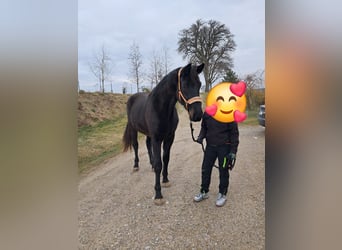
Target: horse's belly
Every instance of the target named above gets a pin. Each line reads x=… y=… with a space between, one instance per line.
x=141 y=128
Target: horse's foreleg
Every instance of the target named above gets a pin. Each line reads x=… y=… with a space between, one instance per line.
x=157 y=165
x=149 y=149
x=166 y=157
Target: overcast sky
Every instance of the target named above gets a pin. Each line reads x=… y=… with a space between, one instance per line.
x=154 y=24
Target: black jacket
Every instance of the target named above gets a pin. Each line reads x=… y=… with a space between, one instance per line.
x=219 y=133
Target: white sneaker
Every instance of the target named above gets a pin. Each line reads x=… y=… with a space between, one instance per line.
x=221 y=200
x=201 y=197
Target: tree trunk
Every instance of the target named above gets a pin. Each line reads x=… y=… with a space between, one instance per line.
x=206 y=79
x=206 y=86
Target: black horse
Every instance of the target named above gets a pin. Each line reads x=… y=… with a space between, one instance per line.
x=155 y=115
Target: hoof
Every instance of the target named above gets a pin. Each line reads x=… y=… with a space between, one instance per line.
x=166 y=184
x=159 y=202
x=135 y=169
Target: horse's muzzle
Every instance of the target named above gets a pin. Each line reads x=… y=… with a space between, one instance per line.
x=195 y=112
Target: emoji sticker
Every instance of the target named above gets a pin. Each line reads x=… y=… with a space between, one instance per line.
x=226 y=102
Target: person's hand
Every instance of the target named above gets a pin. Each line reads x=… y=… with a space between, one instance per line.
x=231 y=156
x=199 y=140
x=231 y=160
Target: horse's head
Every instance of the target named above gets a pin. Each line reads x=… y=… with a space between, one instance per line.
x=189 y=86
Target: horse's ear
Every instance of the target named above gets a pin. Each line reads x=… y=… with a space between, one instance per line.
x=187 y=69
x=200 y=68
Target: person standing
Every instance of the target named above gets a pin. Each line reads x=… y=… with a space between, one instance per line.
x=222 y=140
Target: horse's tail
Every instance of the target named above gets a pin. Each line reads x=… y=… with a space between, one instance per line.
x=127 y=137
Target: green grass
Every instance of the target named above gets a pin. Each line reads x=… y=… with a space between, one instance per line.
x=100 y=142
x=252 y=117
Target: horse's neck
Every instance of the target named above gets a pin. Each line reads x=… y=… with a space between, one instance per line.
x=166 y=92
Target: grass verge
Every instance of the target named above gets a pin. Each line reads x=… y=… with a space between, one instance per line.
x=252 y=117
x=100 y=142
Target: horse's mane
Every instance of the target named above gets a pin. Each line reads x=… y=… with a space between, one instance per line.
x=166 y=80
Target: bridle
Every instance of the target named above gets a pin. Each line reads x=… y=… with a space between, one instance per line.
x=180 y=94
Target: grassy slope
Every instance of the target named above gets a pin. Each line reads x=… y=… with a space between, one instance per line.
x=100 y=142
x=101 y=120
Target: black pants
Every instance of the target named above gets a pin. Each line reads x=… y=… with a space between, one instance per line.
x=210 y=155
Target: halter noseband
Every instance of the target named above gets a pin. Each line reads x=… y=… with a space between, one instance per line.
x=180 y=94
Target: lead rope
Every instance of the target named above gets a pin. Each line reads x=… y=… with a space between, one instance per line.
x=193 y=138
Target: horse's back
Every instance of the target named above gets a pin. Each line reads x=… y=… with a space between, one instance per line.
x=136 y=100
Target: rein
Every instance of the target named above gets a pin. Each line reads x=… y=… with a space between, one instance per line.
x=180 y=94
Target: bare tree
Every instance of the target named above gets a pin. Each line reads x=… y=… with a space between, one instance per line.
x=156 y=69
x=135 y=60
x=101 y=66
x=210 y=43
x=159 y=66
x=253 y=81
x=166 y=60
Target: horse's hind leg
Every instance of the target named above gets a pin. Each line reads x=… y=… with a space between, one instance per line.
x=149 y=149
x=135 y=147
x=166 y=157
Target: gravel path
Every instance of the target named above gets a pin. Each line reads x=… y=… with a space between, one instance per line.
x=116 y=209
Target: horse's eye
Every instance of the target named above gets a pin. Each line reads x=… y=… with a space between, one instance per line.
x=220 y=98
x=232 y=98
